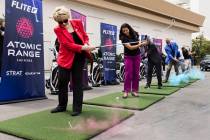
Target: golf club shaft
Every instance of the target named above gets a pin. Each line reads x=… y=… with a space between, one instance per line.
x=101 y=46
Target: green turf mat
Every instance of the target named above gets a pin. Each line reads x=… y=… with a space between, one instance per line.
x=61 y=126
x=116 y=100
x=154 y=90
x=193 y=80
x=181 y=85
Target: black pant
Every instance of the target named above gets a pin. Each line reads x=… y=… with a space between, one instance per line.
x=77 y=77
x=151 y=66
x=164 y=65
x=176 y=65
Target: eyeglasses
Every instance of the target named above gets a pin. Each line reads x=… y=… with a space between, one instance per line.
x=64 y=21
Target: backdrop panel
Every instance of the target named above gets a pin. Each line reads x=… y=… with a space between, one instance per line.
x=108 y=37
x=23 y=59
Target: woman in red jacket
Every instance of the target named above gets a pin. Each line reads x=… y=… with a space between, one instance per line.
x=74 y=48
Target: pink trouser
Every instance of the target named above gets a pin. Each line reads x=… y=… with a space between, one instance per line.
x=132 y=68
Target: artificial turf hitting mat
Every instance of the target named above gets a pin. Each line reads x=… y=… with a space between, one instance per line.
x=154 y=90
x=181 y=85
x=62 y=126
x=193 y=80
x=116 y=100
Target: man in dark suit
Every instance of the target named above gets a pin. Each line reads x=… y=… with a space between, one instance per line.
x=154 y=60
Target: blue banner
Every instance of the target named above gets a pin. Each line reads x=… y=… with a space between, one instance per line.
x=23 y=58
x=108 y=38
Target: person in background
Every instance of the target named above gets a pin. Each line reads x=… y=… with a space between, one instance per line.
x=180 y=59
x=187 y=58
x=2 y=30
x=192 y=57
x=163 y=57
x=131 y=59
x=154 y=60
x=73 y=50
x=171 y=50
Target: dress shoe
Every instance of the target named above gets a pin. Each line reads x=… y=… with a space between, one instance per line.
x=134 y=94
x=74 y=113
x=125 y=95
x=58 y=109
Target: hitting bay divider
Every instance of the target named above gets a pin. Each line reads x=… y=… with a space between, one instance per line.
x=62 y=126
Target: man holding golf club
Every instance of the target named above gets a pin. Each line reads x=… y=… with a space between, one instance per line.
x=154 y=60
x=171 y=49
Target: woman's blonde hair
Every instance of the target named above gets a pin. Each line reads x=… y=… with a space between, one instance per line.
x=61 y=13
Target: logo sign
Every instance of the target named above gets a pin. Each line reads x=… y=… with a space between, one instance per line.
x=108 y=38
x=22 y=73
x=158 y=43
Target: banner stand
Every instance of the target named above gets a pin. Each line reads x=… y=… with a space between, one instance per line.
x=108 y=37
x=22 y=70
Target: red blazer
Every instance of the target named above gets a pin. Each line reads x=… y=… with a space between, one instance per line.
x=68 y=48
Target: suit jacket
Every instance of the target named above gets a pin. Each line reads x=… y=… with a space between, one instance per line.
x=153 y=54
x=171 y=51
x=68 y=48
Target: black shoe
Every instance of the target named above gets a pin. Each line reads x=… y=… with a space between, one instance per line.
x=58 y=109
x=147 y=86
x=125 y=95
x=134 y=94
x=159 y=87
x=75 y=113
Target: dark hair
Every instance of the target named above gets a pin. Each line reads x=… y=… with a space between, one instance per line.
x=147 y=38
x=183 y=48
x=132 y=32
